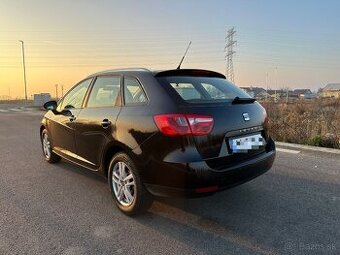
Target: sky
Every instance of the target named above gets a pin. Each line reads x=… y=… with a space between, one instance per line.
x=296 y=44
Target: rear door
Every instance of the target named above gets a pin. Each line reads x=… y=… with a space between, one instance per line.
x=61 y=126
x=96 y=123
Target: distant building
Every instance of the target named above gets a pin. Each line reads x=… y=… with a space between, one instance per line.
x=331 y=90
x=255 y=92
x=304 y=93
x=292 y=94
x=309 y=96
x=262 y=95
x=277 y=92
x=40 y=99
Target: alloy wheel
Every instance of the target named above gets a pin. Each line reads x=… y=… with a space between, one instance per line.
x=46 y=146
x=123 y=184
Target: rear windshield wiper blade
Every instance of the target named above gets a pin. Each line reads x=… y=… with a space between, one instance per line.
x=238 y=100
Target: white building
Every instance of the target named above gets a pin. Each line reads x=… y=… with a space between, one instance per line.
x=40 y=99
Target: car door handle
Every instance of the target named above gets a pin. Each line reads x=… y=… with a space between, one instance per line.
x=72 y=118
x=105 y=123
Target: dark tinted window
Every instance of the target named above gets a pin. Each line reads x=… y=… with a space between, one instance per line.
x=74 y=98
x=203 y=89
x=104 y=92
x=133 y=92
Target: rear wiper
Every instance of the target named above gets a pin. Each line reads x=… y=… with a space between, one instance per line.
x=238 y=100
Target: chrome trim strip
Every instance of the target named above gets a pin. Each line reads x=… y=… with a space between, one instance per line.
x=75 y=156
x=76 y=163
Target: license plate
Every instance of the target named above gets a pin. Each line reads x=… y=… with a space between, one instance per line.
x=246 y=143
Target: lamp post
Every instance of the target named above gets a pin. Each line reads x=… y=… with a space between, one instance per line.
x=24 y=66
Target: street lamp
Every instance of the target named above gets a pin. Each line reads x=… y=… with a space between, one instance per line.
x=24 y=66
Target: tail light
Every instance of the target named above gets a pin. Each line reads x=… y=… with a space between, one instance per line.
x=184 y=124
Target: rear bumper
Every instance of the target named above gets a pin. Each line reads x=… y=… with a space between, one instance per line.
x=198 y=179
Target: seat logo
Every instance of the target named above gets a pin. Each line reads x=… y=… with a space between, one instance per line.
x=246 y=116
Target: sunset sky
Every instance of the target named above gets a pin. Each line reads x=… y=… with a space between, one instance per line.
x=68 y=40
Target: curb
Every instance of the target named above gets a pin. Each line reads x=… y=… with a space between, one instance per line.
x=308 y=147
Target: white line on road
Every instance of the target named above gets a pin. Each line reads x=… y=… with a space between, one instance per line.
x=16 y=110
x=1 y=110
x=287 y=150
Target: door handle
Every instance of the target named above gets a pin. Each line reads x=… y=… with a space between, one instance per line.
x=72 y=118
x=106 y=123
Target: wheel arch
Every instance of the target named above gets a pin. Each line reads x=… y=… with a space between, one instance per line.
x=42 y=127
x=110 y=151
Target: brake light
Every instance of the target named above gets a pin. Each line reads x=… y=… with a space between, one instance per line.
x=184 y=124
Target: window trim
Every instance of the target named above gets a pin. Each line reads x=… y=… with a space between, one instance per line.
x=118 y=102
x=142 y=87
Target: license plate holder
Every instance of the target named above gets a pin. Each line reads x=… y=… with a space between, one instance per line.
x=245 y=143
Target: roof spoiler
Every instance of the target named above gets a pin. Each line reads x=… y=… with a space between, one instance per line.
x=190 y=72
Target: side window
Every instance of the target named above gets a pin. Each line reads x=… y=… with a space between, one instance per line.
x=104 y=92
x=74 y=98
x=133 y=92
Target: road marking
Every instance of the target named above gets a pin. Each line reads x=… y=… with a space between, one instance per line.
x=30 y=111
x=16 y=110
x=287 y=150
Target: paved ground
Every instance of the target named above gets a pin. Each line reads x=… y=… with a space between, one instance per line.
x=18 y=107
x=63 y=209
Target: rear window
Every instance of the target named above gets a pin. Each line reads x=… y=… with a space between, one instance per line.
x=203 y=89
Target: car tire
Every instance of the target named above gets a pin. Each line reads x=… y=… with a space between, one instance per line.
x=127 y=189
x=49 y=155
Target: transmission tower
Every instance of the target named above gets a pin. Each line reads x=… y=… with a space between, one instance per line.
x=229 y=52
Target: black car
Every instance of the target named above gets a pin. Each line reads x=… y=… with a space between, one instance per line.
x=178 y=132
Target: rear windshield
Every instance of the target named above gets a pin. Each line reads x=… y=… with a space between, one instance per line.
x=203 y=89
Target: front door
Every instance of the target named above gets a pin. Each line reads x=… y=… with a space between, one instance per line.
x=62 y=124
x=96 y=123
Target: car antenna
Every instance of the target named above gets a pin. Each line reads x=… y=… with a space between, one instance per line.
x=180 y=63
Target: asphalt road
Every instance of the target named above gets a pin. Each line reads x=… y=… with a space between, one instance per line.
x=64 y=209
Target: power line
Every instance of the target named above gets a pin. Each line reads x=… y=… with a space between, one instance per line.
x=229 y=50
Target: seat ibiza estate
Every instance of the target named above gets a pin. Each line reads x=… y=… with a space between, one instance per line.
x=181 y=132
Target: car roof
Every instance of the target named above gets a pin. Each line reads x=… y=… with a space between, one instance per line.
x=161 y=73
x=120 y=71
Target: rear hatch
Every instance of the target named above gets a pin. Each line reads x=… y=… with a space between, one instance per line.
x=229 y=124
x=238 y=118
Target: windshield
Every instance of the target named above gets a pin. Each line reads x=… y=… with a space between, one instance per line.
x=203 y=89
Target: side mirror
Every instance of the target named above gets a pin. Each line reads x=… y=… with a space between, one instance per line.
x=50 y=105
x=66 y=112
